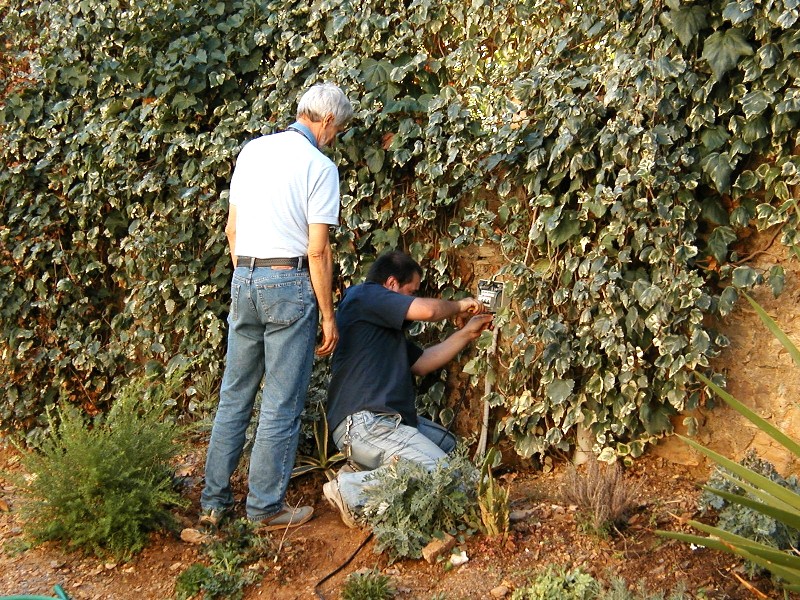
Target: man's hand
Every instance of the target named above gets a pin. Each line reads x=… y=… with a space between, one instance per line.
x=330 y=337
x=468 y=307
x=477 y=325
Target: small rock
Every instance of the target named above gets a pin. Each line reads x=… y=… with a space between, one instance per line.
x=515 y=516
x=193 y=536
x=175 y=566
x=109 y=566
x=458 y=559
x=437 y=548
x=500 y=591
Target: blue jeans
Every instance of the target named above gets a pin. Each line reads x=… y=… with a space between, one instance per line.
x=272 y=330
x=375 y=439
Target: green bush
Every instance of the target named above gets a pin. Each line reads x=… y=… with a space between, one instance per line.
x=743 y=520
x=559 y=584
x=101 y=485
x=369 y=585
x=229 y=558
x=760 y=497
x=407 y=505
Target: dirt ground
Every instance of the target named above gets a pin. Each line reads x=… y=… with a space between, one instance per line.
x=549 y=535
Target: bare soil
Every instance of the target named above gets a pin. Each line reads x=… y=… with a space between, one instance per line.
x=309 y=556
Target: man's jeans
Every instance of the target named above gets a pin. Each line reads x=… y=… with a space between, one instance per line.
x=375 y=439
x=272 y=331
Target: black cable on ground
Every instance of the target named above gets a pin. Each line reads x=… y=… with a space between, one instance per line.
x=341 y=566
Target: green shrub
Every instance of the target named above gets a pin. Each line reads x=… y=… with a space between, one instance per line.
x=493 y=498
x=100 y=485
x=368 y=585
x=227 y=573
x=559 y=584
x=743 y=520
x=618 y=590
x=759 y=493
x=408 y=505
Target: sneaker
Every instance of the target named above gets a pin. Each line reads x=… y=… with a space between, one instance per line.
x=287 y=517
x=213 y=517
x=331 y=492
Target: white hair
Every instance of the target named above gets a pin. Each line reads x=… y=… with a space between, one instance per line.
x=325 y=99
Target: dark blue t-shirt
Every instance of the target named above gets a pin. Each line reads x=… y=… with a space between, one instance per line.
x=371 y=366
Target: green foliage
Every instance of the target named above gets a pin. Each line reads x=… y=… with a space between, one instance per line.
x=744 y=521
x=102 y=486
x=609 y=157
x=319 y=457
x=618 y=590
x=559 y=584
x=407 y=505
x=492 y=498
x=368 y=585
x=764 y=500
x=229 y=558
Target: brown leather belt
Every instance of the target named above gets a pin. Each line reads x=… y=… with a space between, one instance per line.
x=300 y=262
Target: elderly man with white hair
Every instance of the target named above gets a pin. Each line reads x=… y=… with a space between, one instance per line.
x=284 y=196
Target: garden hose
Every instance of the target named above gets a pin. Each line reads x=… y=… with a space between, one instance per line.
x=59 y=591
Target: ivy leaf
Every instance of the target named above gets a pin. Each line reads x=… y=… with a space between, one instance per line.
x=727 y=299
x=718 y=167
x=568 y=227
x=723 y=50
x=686 y=22
x=738 y=12
x=374 y=158
x=777 y=279
x=744 y=277
x=559 y=390
x=718 y=242
x=756 y=102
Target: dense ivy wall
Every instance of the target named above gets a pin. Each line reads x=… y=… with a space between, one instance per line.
x=611 y=153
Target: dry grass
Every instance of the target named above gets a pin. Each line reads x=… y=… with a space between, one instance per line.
x=604 y=497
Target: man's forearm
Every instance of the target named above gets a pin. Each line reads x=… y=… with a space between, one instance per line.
x=437 y=356
x=435 y=309
x=320 y=267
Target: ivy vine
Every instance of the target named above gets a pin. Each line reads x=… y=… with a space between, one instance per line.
x=609 y=154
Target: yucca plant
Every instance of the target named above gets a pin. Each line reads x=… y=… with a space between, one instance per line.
x=322 y=461
x=493 y=498
x=764 y=495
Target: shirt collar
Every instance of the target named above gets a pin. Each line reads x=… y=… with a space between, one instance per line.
x=300 y=128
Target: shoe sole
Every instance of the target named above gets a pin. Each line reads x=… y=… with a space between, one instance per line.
x=342 y=510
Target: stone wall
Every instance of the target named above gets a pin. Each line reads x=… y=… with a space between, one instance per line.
x=760 y=373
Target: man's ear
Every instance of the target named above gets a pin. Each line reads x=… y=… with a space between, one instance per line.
x=391 y=283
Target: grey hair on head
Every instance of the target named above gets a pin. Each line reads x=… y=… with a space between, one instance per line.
x=325 y=99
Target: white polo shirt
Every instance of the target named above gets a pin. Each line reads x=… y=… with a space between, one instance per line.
x=281 y=184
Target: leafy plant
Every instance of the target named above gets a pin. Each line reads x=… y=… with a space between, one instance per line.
x=619 y=590
x=407 y=505
x=229 y=557
x=759 y=493
x=101 y=486
x=492 y=498
x=744 y=521
x=368 y=585
x=322 y=460
x=559 y=584
x=603 y=495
